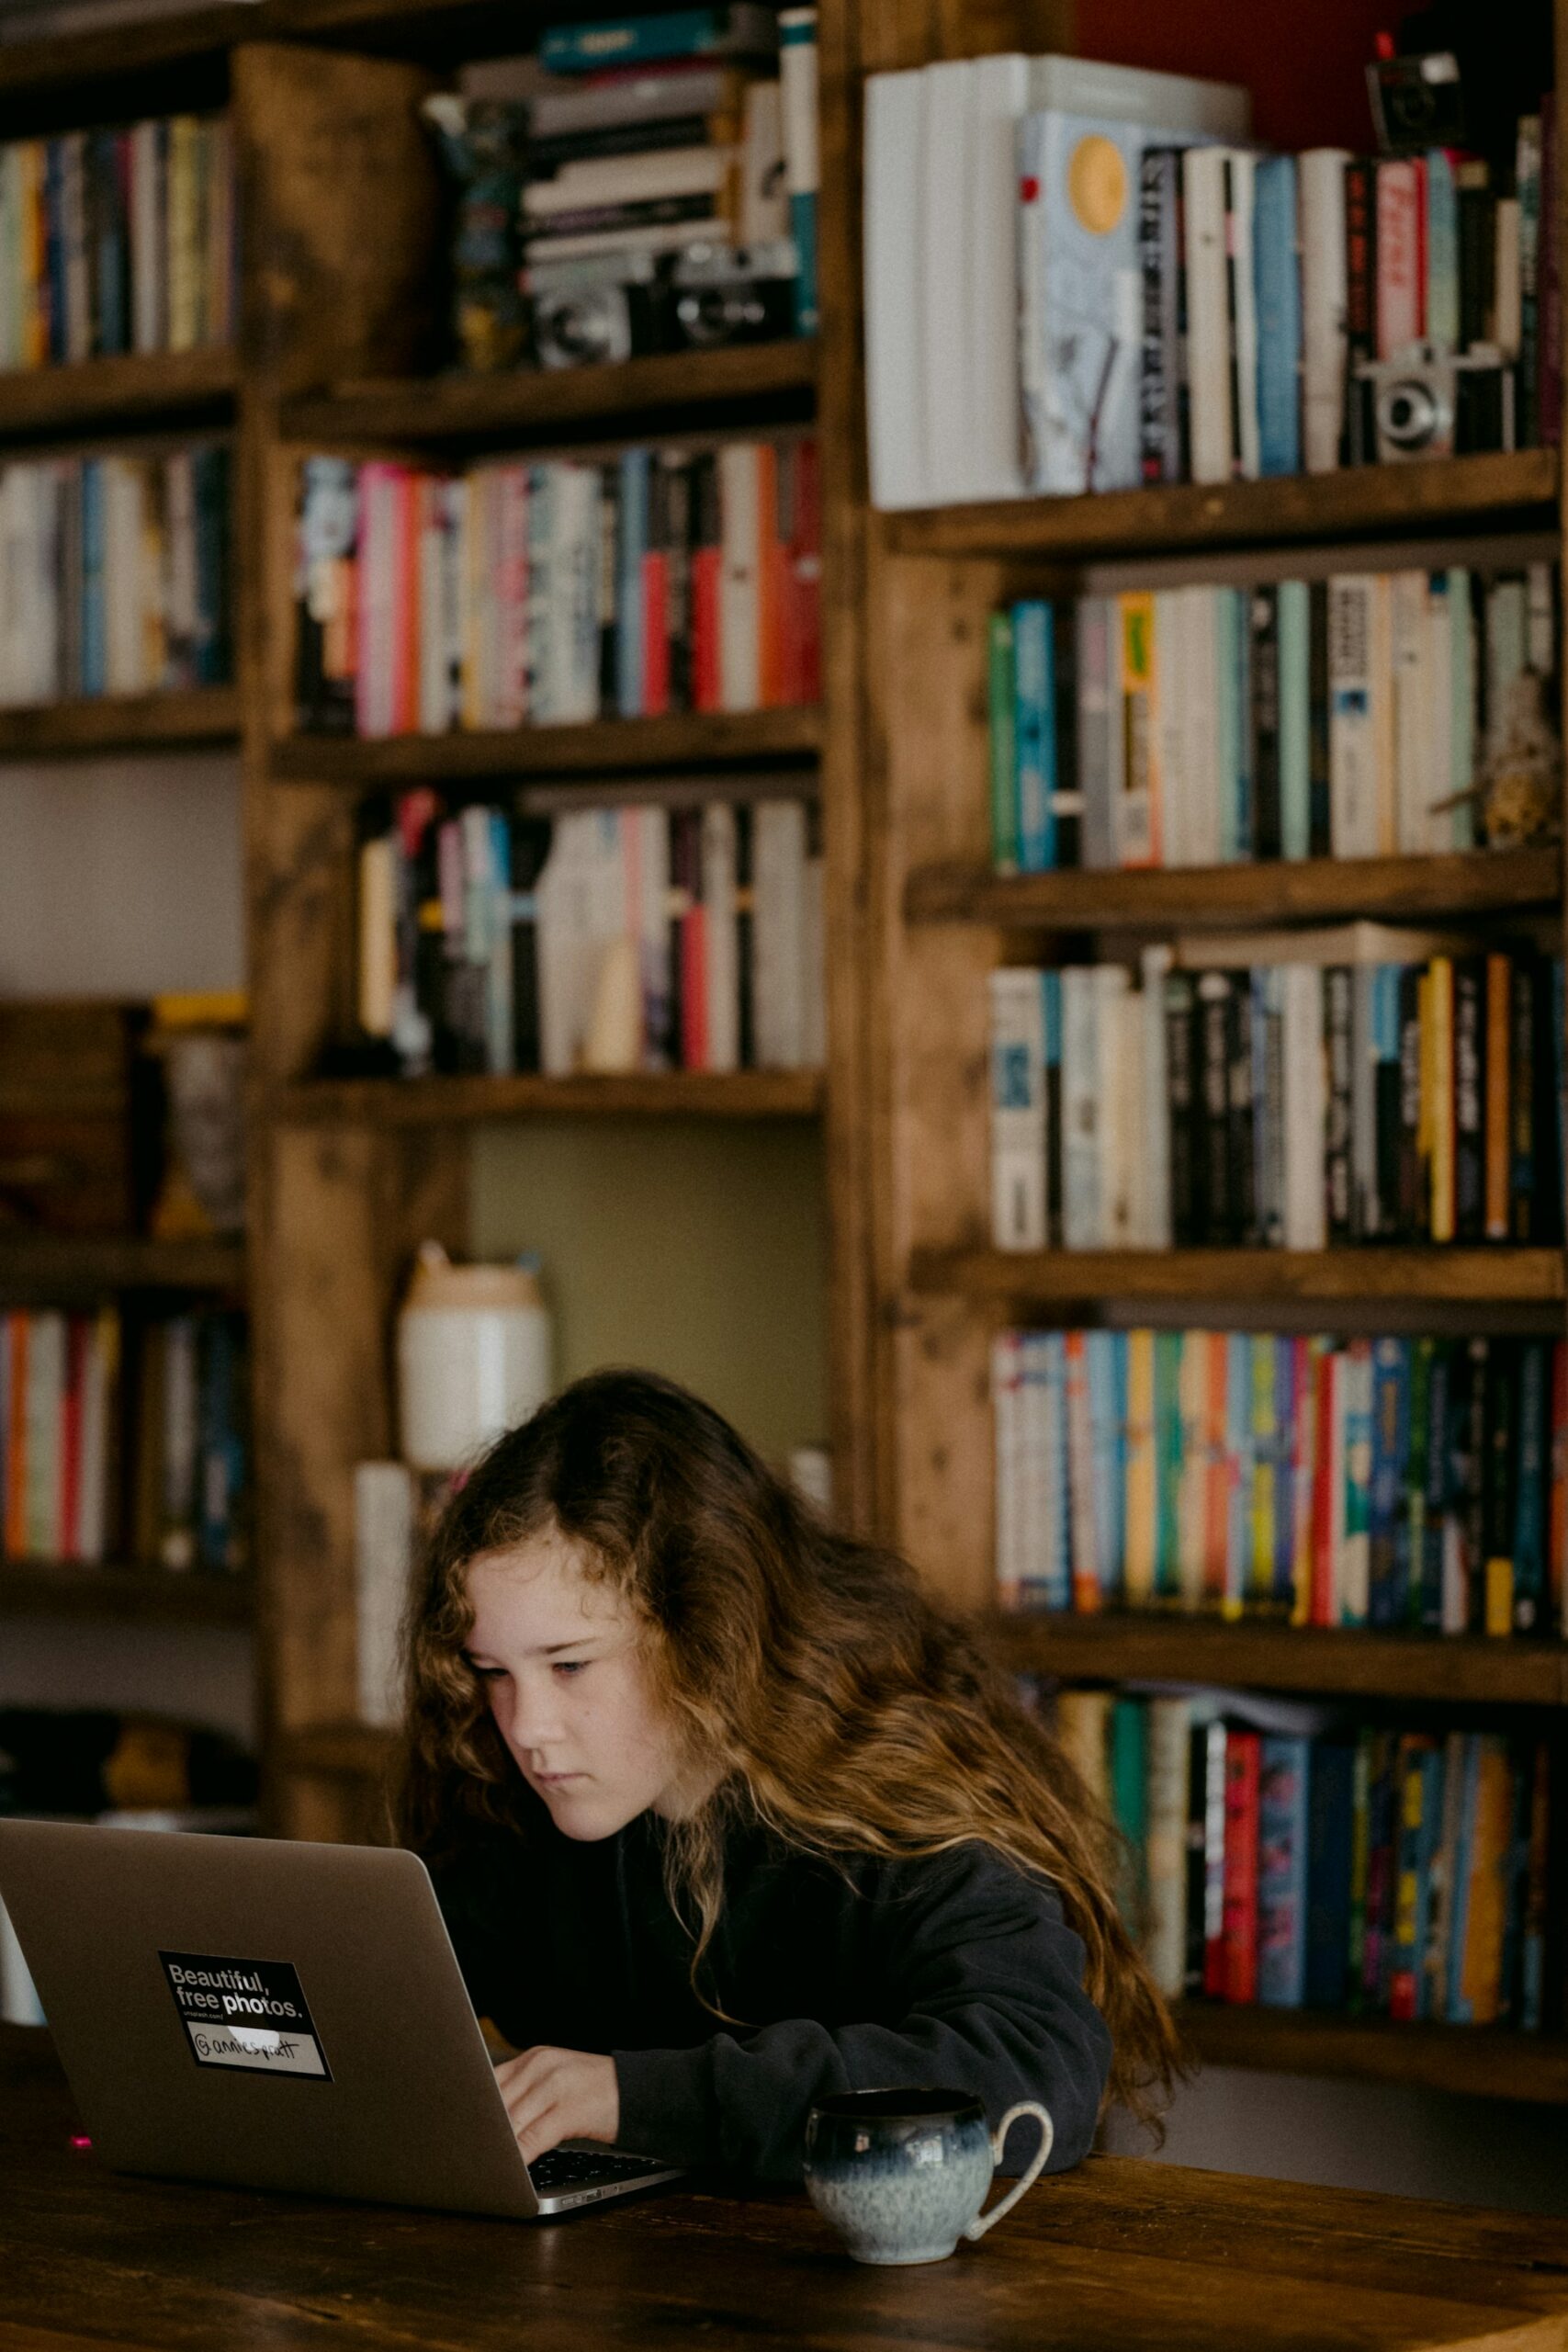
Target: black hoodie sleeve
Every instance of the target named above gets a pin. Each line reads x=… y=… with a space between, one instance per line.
x=984 y=1994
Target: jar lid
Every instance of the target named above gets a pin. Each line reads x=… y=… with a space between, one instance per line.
x=436 y=1282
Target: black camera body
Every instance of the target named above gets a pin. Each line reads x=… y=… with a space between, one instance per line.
x=1428 y=402
x=733 y=294
x=619 y=306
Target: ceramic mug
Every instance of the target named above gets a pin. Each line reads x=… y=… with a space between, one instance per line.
x=902 y=2174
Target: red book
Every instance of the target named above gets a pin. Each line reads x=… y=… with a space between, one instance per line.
x=1360 y=297
x=1557 y=1539
x=1244 y=1752
x=405 y=674
x=1399 y=273
x=1330 y=1372
x=806 y=561
x=68 y=1513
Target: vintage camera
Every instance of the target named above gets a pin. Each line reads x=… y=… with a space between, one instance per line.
x=733 y=293
x=1427 y=401
x=1417 y=102
x=614 y=307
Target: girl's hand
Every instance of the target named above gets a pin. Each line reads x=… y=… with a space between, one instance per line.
x=555 y=2094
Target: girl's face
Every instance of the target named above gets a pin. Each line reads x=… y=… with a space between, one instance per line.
x=558 y=1654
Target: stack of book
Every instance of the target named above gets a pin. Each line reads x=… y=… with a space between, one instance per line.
x=1079 y=276
x=557 y=590
x=1353 y=715
x=94 y=1467
x=114 y=574
x=642 y=937
x=1418 y=1483
x=119 y=240
x=1290 y=1857
x=1286 y=1089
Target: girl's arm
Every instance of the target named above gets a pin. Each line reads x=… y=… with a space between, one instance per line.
x=984 y=1994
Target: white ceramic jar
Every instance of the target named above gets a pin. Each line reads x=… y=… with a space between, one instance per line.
x=474 y=1352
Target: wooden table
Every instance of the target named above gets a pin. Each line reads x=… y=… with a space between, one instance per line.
x=1118 y=2255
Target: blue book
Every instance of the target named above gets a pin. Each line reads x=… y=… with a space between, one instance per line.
x=54 y=245
x=1282 y=1872
x=111 y=325
x=628 y=583
x=1168 y=1463
x=1442 y=250
x=1051 y=995
x=1529 y=1497
x=1105 y=1355
x=1277 y=283
x=1078 y=352
x=1331 y=1829
x=1391 y=1446
x=797 y=74
x=500 y=1041
x=614 y=41
x=95 y=648
x=221 y=1426
x=1034 y=732
x=1287 y=1405
x=1293 y=608
x=1230 y=651
x=1049 y=1583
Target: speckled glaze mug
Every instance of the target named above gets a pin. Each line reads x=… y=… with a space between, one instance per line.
x=902 y=2174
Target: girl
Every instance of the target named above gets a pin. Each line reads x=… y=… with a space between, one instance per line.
x=724 y=1815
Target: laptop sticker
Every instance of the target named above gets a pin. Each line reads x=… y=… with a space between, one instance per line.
x=246 y=2013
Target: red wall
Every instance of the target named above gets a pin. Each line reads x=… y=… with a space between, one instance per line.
x=1302 y=60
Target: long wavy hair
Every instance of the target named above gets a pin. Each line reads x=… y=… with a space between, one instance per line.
x=847 y=1710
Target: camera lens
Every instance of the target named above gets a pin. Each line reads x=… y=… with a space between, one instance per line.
x=1408 y=415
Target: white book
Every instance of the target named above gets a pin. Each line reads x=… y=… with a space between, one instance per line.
x=739 y=561
x=998 y=96
x=573 y=659
x=764 y=189
x=568 y=951
x=16 y=583
x=1200 y=756
x=1463 y=744
x=638 y=178
x=1007 y=1395
x=723 y=962
x=1384 y=741
x=1507 y=300
x=1164 y=1843
x=122 y=576
x=1357 y=942
x=1208 y=329
x=44 y=1398
x=149 y=270
x=895 y=380
x=1244 y=452
x=1320 y=182
x=383 y=1560
x=947 y=261
x=1083 y=1112
x=1174 y=685
x=655 y=237
x=45 y=658
x=1154 y=1130
x=377 y=572
x=649 y=827
x=1540 y=618
x=1019 y=1139
x=1122 y=1068
x=1416 y=765
x=814 y=958
x=1306 y=1211
x=1352 y=753
x=778 y=933
x=433 y=625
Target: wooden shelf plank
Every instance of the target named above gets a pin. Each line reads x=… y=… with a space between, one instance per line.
x=1158 y=1645
x=1318 y=889
x=682 y=740
x=527 y=404
x=1500 y=1274
x=123 y=1595
x=442 y=1101
x=1386 y=500
x=74 y=1264
x=341 y=1751
x=132 y=388
x=1483 y=2062
x=104 y=724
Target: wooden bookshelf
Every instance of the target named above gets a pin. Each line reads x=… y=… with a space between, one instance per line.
x=680 y=740
x=1165 y=1646
x=73 y=1264
x=1359 y=502
x=123 y=1595
x=130 y=389
x=441 y=1102
x=525 y=404
x=1393 y=890
x=1476 y=2061
x=1499 y=1274
x=100 y=725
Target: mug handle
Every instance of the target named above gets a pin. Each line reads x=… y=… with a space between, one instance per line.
x=983 y=2222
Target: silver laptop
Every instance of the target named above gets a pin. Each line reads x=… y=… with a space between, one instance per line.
x=278 y=2015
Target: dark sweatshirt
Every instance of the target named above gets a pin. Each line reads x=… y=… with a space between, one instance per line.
x=956 y=1971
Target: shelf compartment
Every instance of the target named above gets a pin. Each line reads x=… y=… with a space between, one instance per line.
x=1503 y=1274
x=680 y=740
x=1318 y=889
x=1478 y=2062
x=1169 y=1645
x=446 y=1101
x=1357 y=500
x=132 y=389
x=530 y=403
x=101 y=724
x=123 y=1595
x=76 y=1263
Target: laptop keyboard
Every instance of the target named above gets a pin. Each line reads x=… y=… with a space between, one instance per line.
x=569 y=2168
